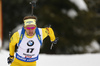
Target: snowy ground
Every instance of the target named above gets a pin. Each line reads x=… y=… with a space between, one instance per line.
x=60 y=60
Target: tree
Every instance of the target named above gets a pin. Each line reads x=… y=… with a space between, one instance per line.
x=72 y=33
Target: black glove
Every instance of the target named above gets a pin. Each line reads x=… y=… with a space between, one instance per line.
x=10 y=59
x=55 y=41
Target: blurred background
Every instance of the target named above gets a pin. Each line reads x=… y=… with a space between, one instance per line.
x=75 y=22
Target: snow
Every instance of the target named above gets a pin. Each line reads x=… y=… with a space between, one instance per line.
x=60 y=60
x=71 y=13
x=6 y=44
x=93 y=47
x=0 y=43
x=80 y=4
x=17 y=28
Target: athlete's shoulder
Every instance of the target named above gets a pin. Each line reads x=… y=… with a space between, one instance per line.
x=17 y=33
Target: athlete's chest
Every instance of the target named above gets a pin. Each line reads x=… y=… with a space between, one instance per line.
x=29 y=42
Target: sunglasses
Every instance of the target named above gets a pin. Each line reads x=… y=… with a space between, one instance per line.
x=28 y=28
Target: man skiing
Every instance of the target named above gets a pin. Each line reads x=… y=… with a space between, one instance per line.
x=28 y=39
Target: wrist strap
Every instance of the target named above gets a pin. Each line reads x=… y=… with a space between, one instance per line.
x=11 y=56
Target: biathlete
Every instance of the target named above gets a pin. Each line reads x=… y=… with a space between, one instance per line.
x=29 y=40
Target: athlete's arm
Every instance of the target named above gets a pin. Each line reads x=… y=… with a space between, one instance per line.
x=13 y=41
x=48 y=32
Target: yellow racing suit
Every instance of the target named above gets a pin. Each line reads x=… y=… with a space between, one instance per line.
x=15 y=40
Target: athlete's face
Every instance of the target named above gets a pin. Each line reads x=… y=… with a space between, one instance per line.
x=30 y=29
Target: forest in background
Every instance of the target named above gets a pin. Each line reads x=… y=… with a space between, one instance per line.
x=73 y=33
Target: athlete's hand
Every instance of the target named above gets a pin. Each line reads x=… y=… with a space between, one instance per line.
x=10 y=59
x=55 y=41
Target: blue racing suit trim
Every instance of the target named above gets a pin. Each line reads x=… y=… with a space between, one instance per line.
x=26 y=59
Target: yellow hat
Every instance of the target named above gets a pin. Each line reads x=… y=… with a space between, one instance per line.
x=30 y=22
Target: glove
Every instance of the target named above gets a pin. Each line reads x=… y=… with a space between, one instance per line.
x=10 y=59
x=55 y=41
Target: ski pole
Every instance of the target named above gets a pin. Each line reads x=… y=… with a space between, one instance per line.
x=51 y=46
